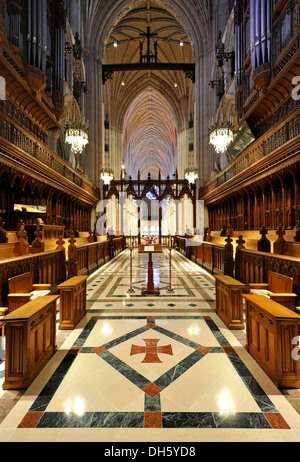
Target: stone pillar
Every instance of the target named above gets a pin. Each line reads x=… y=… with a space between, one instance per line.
x=94 y=113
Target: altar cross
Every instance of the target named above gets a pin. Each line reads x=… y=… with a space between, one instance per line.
x=148 y=58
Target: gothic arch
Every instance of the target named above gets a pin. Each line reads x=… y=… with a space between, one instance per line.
x=102 y=18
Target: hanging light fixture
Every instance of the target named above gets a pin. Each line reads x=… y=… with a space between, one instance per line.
x=77 y=134
x=191 y=173
x=106 y=174
x=221 y=135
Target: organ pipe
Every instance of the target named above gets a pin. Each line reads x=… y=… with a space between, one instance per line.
x=36 y=37
x=260 y=32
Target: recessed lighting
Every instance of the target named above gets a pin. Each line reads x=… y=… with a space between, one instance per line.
x=123 y=83
x=115 y=44
x=181 y=44
x=175 y=84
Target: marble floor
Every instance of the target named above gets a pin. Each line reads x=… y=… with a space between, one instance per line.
x=150 y=369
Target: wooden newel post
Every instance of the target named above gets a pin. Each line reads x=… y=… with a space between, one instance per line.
x=264 y=245
x=72 y=258
x=240 y=245
x=278 y=246
x=38 y=244
x=23 y=238
x=131 y=290
x=228 y=258
x=3 y=237
x=170 y=290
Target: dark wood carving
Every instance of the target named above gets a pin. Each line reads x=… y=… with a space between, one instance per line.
x=3 y=238
x=278 y=246
x=264 y=245
x=38 y=245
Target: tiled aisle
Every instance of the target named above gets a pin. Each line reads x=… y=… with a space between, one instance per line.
x=144 y=369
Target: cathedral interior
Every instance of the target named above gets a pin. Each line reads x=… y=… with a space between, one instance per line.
x=150 y=221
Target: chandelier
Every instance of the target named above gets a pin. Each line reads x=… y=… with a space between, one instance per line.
x=191 y=174
x=221 y=135
x=77 y=134
x=106 y=173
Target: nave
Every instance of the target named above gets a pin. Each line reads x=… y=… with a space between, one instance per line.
x=149 y=369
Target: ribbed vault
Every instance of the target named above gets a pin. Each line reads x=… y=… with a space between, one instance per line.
x=150 y=136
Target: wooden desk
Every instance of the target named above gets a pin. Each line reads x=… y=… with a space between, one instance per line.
x=30 y=341
x=72 y=302
x=271 y=329
x=229 y=302
x=150 y=249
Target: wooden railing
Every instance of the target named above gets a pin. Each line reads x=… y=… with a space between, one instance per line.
x=15 y=141
x=85 y=259
x=215 y=258
x=166 y=240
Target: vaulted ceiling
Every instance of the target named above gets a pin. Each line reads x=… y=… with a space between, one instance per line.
x=150 y=108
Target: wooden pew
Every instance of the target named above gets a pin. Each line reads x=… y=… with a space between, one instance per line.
x=278 y=288
x=30 y=341
x=11 y=248
x=253 y=267
x=271 y=330
x=22 y=290
x=46 y=268
x=278 y=239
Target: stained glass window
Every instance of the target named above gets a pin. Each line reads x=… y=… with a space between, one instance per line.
x=150 y=195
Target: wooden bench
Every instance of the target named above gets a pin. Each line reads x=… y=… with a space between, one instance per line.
x=30 y=341
x=72 y=302
x=229 y=306
x=271 y=330
x=22 y=290
x=279 y=288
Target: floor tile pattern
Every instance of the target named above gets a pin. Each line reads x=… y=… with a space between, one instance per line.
x=156 y=368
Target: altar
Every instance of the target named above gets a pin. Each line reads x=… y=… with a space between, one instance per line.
x=150 y=249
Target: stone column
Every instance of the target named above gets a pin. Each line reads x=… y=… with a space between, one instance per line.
x=94 y=113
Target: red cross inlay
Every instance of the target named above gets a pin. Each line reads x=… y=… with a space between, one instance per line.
x=151 y=351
